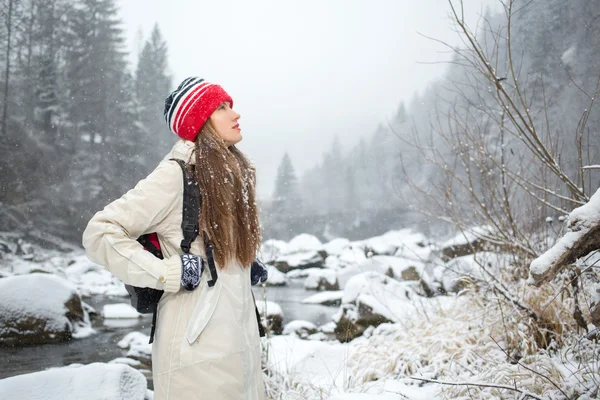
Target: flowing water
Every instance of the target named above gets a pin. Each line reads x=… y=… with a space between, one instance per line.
x=102 y=346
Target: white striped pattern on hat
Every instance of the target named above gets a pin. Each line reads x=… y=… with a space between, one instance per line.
x=183 y=98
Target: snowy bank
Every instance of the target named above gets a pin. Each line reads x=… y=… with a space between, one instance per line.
x=95 y=381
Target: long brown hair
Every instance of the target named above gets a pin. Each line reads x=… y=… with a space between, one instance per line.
x=229 y=215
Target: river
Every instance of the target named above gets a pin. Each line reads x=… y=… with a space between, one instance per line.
x=102 y=346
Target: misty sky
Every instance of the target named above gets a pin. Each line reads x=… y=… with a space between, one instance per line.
x=301 y=72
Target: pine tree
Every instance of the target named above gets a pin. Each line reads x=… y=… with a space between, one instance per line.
x=46 y=103
x=285 y=197
x=333 y=172
x=95 y=66
x=152 y=85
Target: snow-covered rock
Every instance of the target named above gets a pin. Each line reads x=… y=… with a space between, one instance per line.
x=321 y=279
x=299 y=260
x=303 y=251
x=466 y=242
x=336 y=246
x=139 y=348
x=352 y=255
x=271 y=249
x=97 y=381
x=271 y=315
x=400 y=268
x=120 y=311
x=372 y=298
x=133 y=339
x=276 y=278
x=390 y=242
x=300 y=328
x=93 y=279
x=328 y=298
x=41 y=308
x=457 y=273
x=377 y=264
x=298 y=273
x=304 y=242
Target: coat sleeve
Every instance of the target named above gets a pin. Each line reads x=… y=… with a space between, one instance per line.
x=110 y=238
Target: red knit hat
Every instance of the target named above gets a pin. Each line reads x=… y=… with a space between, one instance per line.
x=191 y=104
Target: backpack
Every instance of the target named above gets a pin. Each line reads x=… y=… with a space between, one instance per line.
x=145 y=300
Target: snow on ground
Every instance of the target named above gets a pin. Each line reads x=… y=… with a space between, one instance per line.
x=318 y=370
x=120 y=311
x=310 y=363
x=446 y=338
x=95 y=381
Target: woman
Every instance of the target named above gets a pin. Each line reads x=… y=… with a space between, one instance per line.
x=206 y=343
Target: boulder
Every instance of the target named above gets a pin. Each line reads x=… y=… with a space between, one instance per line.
x=40 y=308
x=353 y=319
x=276 y=278
x=328 y=298
x=271 y=249
x=410 y=274
x=469 y=241
x=139 y=348
x=346 y=328
x=392 y=242
x=299 y=260
x=322 y=279
x=336 y=246
x=300 y=328
x=304 y=242
x=271 y=316
x=370 y=299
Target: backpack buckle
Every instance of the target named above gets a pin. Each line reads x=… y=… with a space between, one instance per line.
x=190 y=228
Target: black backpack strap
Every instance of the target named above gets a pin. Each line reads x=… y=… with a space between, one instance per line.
x=154 y=316
x=261 y=328
x=211 y=260
x=192 y=203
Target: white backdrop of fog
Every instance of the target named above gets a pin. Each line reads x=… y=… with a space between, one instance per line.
x=301 y=72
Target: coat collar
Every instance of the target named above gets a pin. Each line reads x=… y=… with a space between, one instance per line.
x=183 y=150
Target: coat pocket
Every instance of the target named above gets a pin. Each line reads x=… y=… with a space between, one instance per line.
x=214 y=331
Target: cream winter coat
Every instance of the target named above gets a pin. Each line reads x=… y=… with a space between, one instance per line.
x=206 y=344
